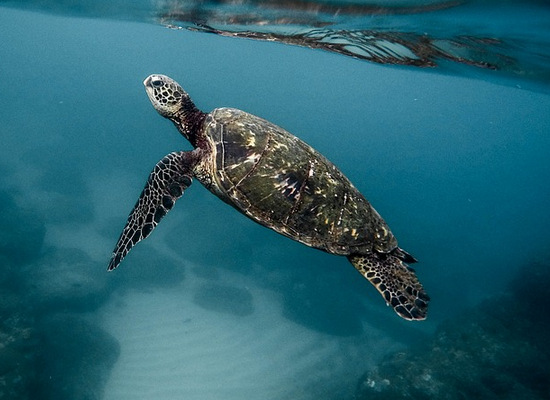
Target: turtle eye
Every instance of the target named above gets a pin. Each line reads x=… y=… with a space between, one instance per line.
x=156 y=83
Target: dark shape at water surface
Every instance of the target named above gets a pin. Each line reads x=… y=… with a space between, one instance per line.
x=289 y=12
x=362 y=31
x=399 y=48
x=510 y=37
x=498 y=350
x=225 y=299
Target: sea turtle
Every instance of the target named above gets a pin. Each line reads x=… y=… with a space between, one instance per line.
x=278 y=181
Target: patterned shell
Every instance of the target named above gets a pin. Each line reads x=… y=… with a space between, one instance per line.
x=282 y=183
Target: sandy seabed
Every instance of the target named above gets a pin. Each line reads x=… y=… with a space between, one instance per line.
x=172 y=348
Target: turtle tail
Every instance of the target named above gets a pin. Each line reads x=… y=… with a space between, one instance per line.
x=395 y=281
x=404 y=256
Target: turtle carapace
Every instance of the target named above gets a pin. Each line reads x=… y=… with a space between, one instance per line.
x=280 y=182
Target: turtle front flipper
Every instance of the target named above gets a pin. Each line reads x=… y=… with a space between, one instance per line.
x=396 y=281
x=166 y=183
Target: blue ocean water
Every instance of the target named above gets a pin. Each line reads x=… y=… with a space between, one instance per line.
x=453 y=156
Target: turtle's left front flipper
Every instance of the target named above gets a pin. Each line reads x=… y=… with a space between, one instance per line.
x=166 y=183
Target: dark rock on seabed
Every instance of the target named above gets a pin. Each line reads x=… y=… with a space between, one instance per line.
x=21 y=241
x=45 y=355
x=18 y=344
x=75 y=359
x=225 y=299
x=322 y=311
x=66 y=280
x=498 y=350
x=22 y=234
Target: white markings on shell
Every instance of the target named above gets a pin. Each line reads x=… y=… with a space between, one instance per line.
x=339 y=222
x=252 y=158
x=251 y=140
x=279 y=145
x=287 y=187
x=311 y=168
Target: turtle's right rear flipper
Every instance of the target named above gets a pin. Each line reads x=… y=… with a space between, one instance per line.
x=166 y=183
x=396 y=282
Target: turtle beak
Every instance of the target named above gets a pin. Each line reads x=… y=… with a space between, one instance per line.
x=147 y=81
x=149 y=89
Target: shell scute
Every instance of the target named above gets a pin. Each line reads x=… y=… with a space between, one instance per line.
x=281 y=182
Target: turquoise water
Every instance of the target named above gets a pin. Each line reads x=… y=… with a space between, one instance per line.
x=213 y=306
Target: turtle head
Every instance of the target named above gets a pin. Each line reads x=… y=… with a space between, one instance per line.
x=166 y=95
x=172 y=102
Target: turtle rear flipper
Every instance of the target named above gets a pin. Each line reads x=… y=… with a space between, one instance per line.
x=396 y=282
x=166 y=183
